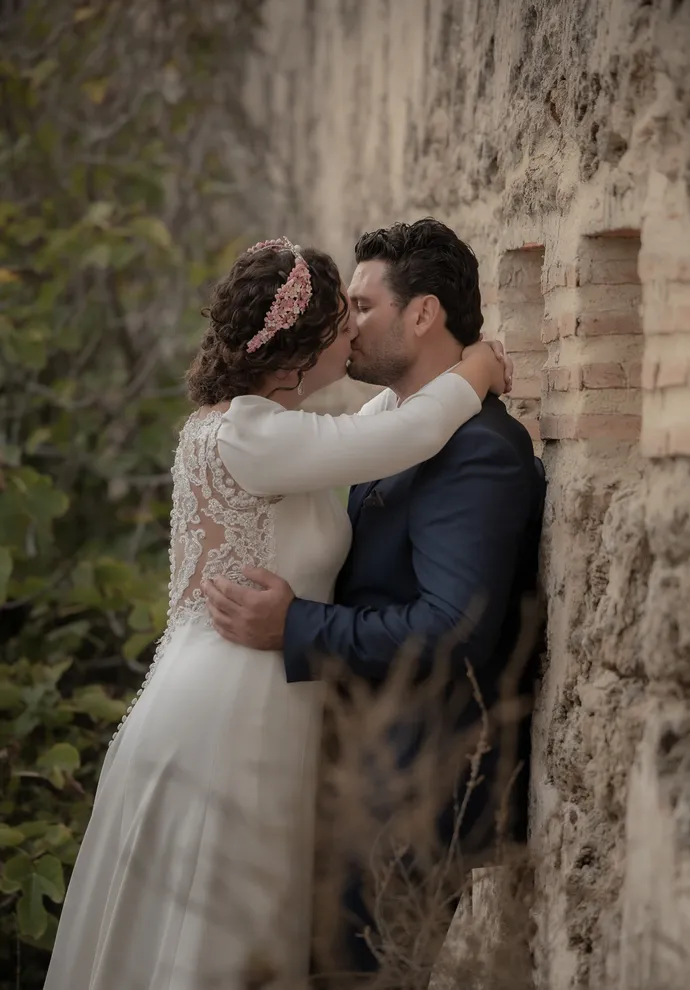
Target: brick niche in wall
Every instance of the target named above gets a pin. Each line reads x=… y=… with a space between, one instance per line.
x=521 y=313
x=593 y=328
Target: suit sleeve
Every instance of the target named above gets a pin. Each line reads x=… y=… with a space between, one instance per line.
x=467 y=516
x=270 y=450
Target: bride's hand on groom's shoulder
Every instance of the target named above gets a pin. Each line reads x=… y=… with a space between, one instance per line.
x=503 y=381
x=249 y=616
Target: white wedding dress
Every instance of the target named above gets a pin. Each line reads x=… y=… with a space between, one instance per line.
x=195 y=869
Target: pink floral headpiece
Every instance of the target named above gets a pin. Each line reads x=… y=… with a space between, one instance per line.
x=291 y=299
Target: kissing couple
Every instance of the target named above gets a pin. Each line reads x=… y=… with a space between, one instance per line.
x=198 y=857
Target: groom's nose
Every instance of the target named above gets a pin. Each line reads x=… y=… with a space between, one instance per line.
x=352 y=328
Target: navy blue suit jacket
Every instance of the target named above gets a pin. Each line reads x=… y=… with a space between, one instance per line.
x=429 y=544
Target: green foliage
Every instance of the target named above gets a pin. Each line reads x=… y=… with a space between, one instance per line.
x=113 y=204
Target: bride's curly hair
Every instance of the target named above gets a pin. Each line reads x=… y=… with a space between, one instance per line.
x=223 y=368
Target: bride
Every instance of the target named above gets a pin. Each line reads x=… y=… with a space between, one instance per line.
x=195 y=869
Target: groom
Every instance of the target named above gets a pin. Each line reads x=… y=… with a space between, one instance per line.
x=431 y=542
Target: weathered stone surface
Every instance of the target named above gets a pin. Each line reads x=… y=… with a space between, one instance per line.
x=656 y=889
x=556 y=130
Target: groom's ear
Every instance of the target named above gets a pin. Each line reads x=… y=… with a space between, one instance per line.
x=427 y=311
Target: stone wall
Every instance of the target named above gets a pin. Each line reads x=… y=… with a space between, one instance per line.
x=554 y=136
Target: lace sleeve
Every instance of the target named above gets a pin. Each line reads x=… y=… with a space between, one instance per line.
x=270 y=450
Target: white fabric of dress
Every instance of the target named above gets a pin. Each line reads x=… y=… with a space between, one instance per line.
x=196 y=865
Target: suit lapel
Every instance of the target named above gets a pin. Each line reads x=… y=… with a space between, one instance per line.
x=356 y=500
x=358 y=493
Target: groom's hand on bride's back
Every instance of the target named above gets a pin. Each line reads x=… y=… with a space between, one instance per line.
x=249 y=616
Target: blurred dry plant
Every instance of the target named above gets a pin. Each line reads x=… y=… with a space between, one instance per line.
x=381 y=813
x=124 y=151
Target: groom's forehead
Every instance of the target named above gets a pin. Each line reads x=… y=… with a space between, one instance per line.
x=367 y=279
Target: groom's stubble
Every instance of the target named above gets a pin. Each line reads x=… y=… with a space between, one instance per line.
x=382 y=362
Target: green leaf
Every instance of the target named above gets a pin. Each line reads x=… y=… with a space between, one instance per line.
x=47 y=939
x=199 y=273
x=37 y=439
x=10 y=837
x=95 y=90
x=54 y=672
x=153 y=230
x=10 y=696
x=61 y=756
x=32 y=916
x=140 y=617
x=8 y=886
x=42 y=71
x=58 y=835
x=30 y=349
x=5 y=572
x=123 y=255
x=49 y=869
x=56 y=777
x=25 y=724
x=11 y=455
x=68 y=852
x=34 y=830
x=15 y=872
x=69 y=635
x=83 y=14
x=42 y=502
x=113 y=575
x=95 y=703
x=98 y=256
x=99 y=214
x=136 y=645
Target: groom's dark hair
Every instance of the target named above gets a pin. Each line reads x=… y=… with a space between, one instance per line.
x=428 y=258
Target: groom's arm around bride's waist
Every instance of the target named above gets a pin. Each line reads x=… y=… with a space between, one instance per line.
x=468 y=512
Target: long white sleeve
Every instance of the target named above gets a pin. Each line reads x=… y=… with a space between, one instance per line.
x=270 y=450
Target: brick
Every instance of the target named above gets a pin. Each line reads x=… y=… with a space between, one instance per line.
x=614 y=271
x=590 y=426
x=659 y=267
x=612 y=324
x=521 y=340
x=526 y=388
x=609 y=374
x=650 y=369
x=673 y=372
x=572 y=276
x=529 y=420
x=560 y=276
x=517 y=272
x=532 y=426
x=596 y=375
x=511 y=298
x=667 y=319
x=679 y=440
x=549 y=329
x=554 y=277
x=554 y=327
x=514 y=297
x=635 y=374
x=567 y=325
x=523 y=408
x=557 y=427
x=654 y=442
x=617 y=232
x=557 y=379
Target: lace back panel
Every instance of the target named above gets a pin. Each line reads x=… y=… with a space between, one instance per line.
x=216 y=528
